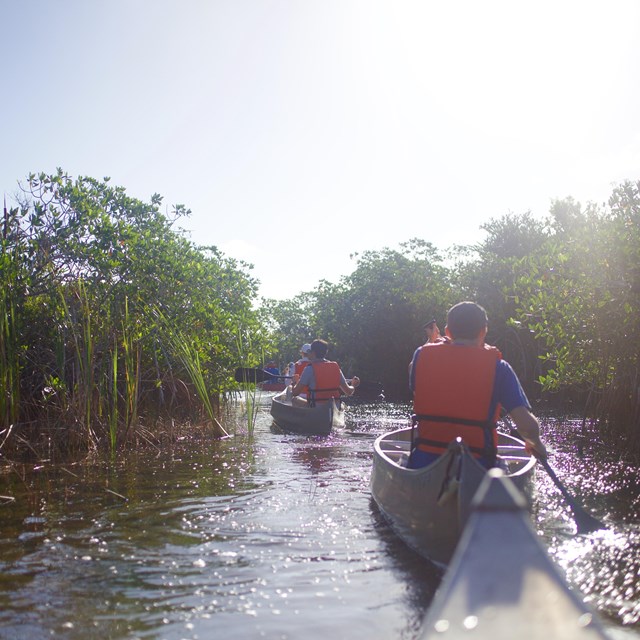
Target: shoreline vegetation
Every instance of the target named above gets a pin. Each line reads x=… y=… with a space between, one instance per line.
x=114 y=327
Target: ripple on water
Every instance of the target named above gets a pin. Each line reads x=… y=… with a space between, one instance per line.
x=272 y=537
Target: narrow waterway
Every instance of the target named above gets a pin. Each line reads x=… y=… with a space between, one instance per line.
x=272 y=537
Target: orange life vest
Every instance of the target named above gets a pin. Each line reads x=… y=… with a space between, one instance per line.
x=327 y=381
x=453 y=387
x=299 y=366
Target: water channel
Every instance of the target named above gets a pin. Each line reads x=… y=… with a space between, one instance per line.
x=273 y=536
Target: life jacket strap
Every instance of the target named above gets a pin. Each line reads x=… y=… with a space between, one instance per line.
x=489 y=452
x=467 y=422
x=312 y=395
x=443 y=445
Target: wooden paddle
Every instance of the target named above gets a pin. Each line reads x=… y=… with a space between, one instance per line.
x=585 y=523
x=249 y=375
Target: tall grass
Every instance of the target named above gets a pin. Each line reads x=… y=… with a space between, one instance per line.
x=113 y=405
x=250 y=389
x=81 y=265
x=9 y=349
x=80 y=328
x=131 y=364
x=190 y=359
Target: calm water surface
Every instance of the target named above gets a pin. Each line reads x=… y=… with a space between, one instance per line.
x=270 y=537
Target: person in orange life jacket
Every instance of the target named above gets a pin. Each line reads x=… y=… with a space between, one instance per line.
x=432 y=331
x=459 y=385
x=296 y=368
x=323 y=378
x=299 y=366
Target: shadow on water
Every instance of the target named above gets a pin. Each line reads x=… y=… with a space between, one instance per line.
x=420 y=577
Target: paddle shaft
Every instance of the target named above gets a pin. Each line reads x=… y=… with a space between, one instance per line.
x=552 y=474
x=585 y=523
x=247 y=374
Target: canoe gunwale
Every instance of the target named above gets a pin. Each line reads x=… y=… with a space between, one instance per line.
x=510 y=445
x=428 y=507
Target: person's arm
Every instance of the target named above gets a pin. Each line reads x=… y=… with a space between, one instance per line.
x=303 y=381
x=296 y=388
x=514 y=401
x=349 y=389
x=528 y=427
x=412 y=364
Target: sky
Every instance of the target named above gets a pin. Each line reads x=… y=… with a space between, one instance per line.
x=302 y=132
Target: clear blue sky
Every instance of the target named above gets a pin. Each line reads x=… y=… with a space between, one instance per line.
x=301 y=131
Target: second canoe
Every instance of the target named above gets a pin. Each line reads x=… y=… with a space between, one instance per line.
x=318 y=420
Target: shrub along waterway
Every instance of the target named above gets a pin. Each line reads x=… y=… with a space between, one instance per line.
x=273 y=536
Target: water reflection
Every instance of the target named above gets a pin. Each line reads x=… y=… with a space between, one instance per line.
x=273 y=536
x=603 y=566
x=421 y=578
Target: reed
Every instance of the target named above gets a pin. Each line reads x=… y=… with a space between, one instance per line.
x=80 y=326
x=9 y=339
x=189 y=357
x=82 y=362
x=113 y=408
x=131 y=358
x=250 y=389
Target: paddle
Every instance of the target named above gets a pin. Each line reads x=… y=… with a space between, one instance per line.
x=585 y=523
x=247 y=374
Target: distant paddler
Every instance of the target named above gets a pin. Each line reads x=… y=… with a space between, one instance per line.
x=322 y=379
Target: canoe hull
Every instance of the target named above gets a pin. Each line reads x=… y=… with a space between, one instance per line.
x=316 y=421
x=501 y=579
x=428 y=508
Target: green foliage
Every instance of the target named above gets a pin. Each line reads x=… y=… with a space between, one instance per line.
x=372 y=318
x=562 y=294
x=289 y=325
x=489 y=276
x=581 y=298
x=83 y=266
x=9 y=333
x=110 y=317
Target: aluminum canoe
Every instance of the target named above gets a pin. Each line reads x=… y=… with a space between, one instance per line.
x=501 y=583
x=428 y=507
x=318 y=420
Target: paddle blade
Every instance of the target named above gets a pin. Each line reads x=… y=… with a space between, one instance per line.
x=585 y=523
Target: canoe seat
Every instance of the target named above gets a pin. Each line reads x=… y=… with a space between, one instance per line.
x=401 y=458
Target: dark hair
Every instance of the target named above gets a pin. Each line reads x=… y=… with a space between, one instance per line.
x=320 y=348
x=466 y=320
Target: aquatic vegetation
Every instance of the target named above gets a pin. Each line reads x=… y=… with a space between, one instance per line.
x=250 y=390
x=85 y=362
x=9 y=334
